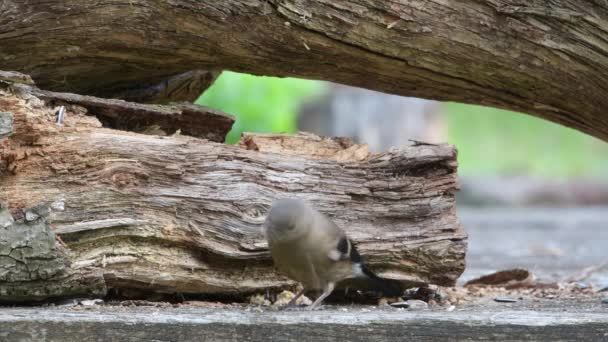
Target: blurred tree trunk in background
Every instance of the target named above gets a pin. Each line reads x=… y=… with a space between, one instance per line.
x=380 y=120
x=545 y=58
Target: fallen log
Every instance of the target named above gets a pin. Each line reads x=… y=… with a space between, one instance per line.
x=178 y=214
x=544 y=58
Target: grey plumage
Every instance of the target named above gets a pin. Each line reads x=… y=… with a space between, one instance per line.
x=309 y=248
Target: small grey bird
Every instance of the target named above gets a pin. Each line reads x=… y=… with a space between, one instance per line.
x=309 y=248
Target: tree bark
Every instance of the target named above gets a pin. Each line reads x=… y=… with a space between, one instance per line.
x=548 y=59
x=185 y=118
x=185 y=87
x=182 y=214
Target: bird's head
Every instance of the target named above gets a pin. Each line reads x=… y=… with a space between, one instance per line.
x=286 y=218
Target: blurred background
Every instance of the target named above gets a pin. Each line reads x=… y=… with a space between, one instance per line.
x=505 y=158
x=537 y=188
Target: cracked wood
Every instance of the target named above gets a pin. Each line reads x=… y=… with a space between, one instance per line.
x=181 y=214
x=545 y=58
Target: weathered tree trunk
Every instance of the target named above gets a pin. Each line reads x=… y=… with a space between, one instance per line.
x=182 y=214
x=546 y=58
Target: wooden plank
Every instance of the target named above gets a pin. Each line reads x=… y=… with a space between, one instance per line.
x=356 y=324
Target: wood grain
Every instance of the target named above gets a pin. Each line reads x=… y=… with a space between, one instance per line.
x=181 y=214
x=545 y=58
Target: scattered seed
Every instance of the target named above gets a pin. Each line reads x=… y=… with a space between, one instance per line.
x=400 y=305
x=31 y=216
x=91 y=302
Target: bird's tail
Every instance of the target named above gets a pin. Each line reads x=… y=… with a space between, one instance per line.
x=389 y=288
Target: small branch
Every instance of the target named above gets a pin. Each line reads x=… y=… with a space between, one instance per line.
x=585 y=273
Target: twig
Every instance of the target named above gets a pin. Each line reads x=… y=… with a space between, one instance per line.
x=391 y=25
x=58 y=238
x=60 y=115
x=421 y=143
x=585 y=273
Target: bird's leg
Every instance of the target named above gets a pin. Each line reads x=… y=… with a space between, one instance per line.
x=329 y=288
x=313 y=272
x=293 y=300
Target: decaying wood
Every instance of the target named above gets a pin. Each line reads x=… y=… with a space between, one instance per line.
x=513 y=278
x=15 y=77
x=30 y=255
x=181 y=214
x=313 y=146
x=192 y=120
x=185 y=87
x=6 y=124
x=546 y=58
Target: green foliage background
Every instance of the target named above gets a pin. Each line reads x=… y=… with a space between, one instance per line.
x=261 y=104
x=490 y=141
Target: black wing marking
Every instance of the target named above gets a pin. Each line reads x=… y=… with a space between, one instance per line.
x=348 y=251
x=354 y=254
x=343 y=246
x=390 y=288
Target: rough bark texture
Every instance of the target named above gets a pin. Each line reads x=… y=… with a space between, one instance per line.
x=185 y=87
x=15 y=77
x=181 y=214
x=183 y=118
x=189 y=119
x=546 y=58
x=6 y=124
x=33 y=267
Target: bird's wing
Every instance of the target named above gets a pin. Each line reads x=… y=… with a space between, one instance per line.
x=347 y=250
x=343 y=249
